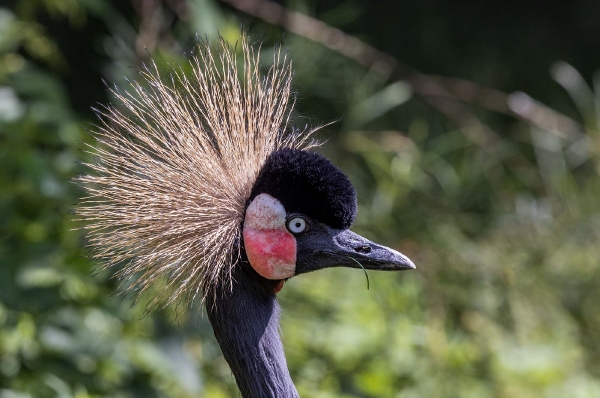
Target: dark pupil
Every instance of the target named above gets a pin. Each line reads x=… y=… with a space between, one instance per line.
x=298 y=225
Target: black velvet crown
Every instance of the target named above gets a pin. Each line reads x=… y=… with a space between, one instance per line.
x=307 y=183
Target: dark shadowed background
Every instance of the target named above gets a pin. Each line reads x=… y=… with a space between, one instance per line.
x=471 y=132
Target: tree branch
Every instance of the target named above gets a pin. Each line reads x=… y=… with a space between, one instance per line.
x=443 y=93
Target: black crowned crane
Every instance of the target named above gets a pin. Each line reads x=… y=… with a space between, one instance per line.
x=200 y=192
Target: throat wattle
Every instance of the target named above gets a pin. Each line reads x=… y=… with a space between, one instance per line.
x=278 y=286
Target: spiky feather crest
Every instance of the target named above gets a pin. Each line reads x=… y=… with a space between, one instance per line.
x=176 y=162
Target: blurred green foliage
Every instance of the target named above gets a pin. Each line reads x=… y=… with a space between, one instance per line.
x=504 y=232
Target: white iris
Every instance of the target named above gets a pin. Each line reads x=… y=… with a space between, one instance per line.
x=297 y=225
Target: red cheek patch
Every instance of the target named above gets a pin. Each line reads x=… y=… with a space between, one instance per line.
x=270 y=247
x=272 y=253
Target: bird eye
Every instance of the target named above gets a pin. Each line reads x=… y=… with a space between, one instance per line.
x=296 y=225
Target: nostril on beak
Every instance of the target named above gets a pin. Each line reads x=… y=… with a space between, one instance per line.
x=364 y=249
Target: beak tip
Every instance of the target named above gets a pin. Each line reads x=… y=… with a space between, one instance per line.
x=403 y=262
x=407 y=264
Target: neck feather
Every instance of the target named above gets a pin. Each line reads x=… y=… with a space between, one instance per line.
x=245 y=321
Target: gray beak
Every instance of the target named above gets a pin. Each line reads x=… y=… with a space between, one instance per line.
x=325 y=247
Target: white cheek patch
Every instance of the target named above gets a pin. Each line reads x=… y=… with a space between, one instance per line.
x=265 y=212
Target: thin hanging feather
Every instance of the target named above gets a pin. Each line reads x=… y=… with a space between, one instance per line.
x=175 y=164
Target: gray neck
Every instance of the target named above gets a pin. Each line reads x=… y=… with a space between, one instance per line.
x=246 y=324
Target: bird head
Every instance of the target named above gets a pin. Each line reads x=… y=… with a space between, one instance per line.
x=191 y=168
x=298 y=217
